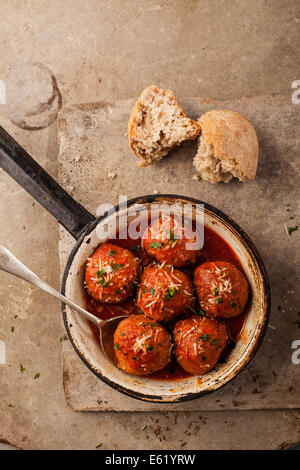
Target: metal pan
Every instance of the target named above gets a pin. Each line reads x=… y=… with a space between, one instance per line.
x=89 y=232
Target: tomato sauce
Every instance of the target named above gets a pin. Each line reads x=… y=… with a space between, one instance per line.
x=215 y=248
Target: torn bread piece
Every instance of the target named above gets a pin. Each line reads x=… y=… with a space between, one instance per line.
x=228 y=147
x=157 y=124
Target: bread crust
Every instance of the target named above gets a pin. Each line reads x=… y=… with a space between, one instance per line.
x=132 y=132
x=234 y=140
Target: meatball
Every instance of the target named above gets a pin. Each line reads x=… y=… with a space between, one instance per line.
x=221 y=288
x=164 y=292
x=141 y=346
x=169 y=240
x=111 y=273
x=199 y=342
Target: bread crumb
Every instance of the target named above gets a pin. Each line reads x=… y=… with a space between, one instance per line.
x=111 y=175
x=206 y=100
x=70 y=189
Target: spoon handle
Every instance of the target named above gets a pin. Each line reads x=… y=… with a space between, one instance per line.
x=10 y=264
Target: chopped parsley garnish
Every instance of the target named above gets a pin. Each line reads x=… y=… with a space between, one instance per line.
x=150 y=348
x=116 y=346
x=135 y=249
x=155 y=245
x=12 y=329
x=214 y=341
x=131 y=285
x=134 y=358
x=122 y=333
x=37 y=376
x=204 y=337
x=152 y=291
x=204 y=358
x=112 y=253
x=151 y=324
x=117 y=266
x=219 y=300
x=144 y=290
x=22 y=369
x=179 y=331
x=170 y=293
x=201 y=312
x=118 y=291
x=172 y=238
x=292 y=229
x=100 y=276
x=233 y=304
x=215 y=292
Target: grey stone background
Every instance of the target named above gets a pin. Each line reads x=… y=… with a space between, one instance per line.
x=103 y=50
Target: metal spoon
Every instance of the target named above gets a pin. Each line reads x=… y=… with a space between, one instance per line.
x=10 y=264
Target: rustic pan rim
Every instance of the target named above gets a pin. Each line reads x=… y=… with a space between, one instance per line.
x=252 y=250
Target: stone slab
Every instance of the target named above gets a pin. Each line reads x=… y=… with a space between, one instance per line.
x=93 y=146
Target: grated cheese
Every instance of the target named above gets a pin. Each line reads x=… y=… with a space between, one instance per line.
x=151 y=303
x=139 y=344
x=188 y=332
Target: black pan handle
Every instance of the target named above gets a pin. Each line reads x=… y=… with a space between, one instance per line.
x=30 y=175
